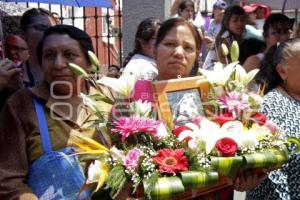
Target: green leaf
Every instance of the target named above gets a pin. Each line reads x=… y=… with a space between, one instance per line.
x=116 y=180
x=296 y=142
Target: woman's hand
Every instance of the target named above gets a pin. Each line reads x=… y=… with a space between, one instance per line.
x=249 y=179
x=7 y=70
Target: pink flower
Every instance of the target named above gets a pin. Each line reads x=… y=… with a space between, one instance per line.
x=272 y=126
x=171 y=161
x=131 y=160
x=127 y=126
x=234 y=102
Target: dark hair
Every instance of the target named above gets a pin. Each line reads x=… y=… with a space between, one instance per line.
x=250 y=46
x=229 y=11
x=145 y=32
x=277 y=54
x=29 y=15
x=77 y=34
x=167 y=25
x=275 y=19
x=184 y=4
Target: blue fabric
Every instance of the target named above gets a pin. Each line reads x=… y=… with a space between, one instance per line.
x=90 y=3
x=56 y=175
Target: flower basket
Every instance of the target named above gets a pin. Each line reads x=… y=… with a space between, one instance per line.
x=187 y=151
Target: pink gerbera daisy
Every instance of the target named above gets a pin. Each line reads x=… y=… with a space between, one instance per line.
x=127 y=126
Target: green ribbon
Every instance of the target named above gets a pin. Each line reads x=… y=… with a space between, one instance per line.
x=166 y=187
x=268 y=158
x=227 y=166
x=196 y=179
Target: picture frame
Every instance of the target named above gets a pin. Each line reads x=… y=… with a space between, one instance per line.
x=168 y=94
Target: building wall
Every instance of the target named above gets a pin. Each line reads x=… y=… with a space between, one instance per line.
x=134 y=11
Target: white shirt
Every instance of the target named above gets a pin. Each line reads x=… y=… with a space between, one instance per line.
x=142 y=67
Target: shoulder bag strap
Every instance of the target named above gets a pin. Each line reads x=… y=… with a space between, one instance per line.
x=43 y=126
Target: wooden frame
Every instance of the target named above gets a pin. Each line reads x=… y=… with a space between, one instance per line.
x=161 y=90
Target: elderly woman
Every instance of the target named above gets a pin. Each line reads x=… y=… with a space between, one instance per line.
x=281 y=73
x=38 y=124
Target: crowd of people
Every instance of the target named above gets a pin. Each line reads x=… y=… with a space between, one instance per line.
x=36 y=125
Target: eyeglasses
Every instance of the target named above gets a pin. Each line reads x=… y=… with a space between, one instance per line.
x=38 y=27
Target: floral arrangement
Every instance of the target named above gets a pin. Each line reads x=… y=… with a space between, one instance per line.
x=146 y=152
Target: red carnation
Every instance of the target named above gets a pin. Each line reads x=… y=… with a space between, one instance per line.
x=179 y=129
x=171 y=161
x=223 y=118
x=259 y=118
x=226 y=147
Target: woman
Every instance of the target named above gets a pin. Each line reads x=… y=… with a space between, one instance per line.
x=186 y=10
x=140 y=62
x=232 y=29
x=277 y=28
x=176 y=48
x=282 y=104
x=22 y=138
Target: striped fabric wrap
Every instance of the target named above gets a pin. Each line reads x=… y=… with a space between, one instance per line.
x=227 y=166
x=166 y=187
x=268 y=158
x=196 y=179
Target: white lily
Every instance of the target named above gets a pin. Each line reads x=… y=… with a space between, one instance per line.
x=242 y=76
x=220 y=74
x=123 y=85
x=161 y=131
x=212 y=132
x=195 y=134
x=233 y=130
x=140 y=108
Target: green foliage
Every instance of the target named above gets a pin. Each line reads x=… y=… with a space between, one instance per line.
x=150 y=182
x=116 y=180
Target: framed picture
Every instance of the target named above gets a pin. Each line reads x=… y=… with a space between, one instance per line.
x=180 y=100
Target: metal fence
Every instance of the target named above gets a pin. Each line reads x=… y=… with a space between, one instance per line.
x=102 y=24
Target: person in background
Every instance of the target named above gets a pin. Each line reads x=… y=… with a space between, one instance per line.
x=113 y=71
x=217 y=16
x=249 y=47
x=16 y=49
x=34 y=23
x=186 y=10
x=233 y=27
x=280 y=73
x=277 y=28
x=140 y=62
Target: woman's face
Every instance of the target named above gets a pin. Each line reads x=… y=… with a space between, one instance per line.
x=176 y=53
x=58 y=51
x=277 y=33
x=290 y=74
x=187 y=13
x=236 y=24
